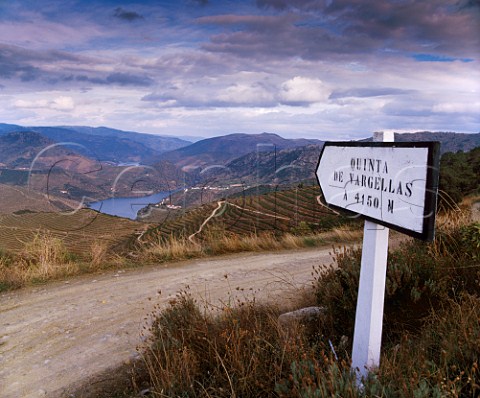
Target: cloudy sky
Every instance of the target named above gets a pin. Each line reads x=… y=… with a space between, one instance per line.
x=328 y=69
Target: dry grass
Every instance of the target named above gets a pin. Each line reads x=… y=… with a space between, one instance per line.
x=46 y=258
x=99 y=253
x=43 y=258
x=171 y=248
x=447 y=225
x=238 y=353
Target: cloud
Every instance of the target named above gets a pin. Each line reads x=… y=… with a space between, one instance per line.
x=301 y=91
x=61 y=103
x=251 y=91
x=32 y=30
x=128 y=79
x=292 y=66
x=19 y=63
x=259 y=22
x=255 y=95
x=196 y=95
x=315 y=29
x=255 y=36
x=125 y=15
x=458 y=107
x=54 y=67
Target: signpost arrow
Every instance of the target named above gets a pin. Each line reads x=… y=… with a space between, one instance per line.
x=392 y=185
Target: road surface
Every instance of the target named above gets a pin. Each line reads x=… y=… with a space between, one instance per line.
x=55 y=336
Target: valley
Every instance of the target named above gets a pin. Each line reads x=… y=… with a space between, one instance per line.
x=266 y=186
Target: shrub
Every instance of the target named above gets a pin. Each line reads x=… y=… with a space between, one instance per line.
x=192 y=354
x=470 y=238
x=431 y=316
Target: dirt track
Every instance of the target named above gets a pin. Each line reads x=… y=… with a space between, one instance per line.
x=57 y=335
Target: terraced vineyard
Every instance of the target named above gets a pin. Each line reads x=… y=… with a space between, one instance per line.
x=78 y=230
x=295 y=210
x=15 y=199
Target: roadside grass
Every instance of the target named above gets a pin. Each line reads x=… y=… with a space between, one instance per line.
x=46 y=257
x=215 y=243
x=430 y=341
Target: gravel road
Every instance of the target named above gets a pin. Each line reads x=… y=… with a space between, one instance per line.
x=63 y=333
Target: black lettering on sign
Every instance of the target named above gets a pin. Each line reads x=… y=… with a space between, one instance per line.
x=390 y=206
x=338 y=176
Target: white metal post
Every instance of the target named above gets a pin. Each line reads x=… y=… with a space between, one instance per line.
x=367 y=336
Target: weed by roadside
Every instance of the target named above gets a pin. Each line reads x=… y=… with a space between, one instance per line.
x=46 y=258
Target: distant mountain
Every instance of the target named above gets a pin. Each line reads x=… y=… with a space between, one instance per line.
x=172 y=176
x=283 y=167
x=21 y=150
x=9 y=128
x=449 y=142
x=297 y=164
x=156 y=142
x=34 y=161
x=221 y=150
x=105 y=144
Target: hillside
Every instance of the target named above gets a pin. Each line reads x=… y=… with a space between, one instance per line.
x=277 y=168
x=221 y=150
x=110 y=149
x=19 y=149
x=73 y=171
x=77 y=230
x=23 y=200
x=283 y=167
x=278 y=211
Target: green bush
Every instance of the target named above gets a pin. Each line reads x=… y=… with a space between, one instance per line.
x=459 y=175
x=431 y=315
x=470 y=237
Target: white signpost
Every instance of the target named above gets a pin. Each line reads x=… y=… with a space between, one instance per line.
x=393 y=185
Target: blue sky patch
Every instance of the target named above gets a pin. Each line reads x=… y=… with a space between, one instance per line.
x=438 y=58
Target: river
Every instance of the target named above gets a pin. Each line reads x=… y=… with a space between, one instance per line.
x=126 y=207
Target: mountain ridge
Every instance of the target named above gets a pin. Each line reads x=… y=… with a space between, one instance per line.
x=449 y=140
x=223 y=149
x=104 y=144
